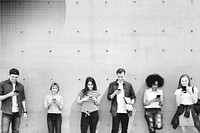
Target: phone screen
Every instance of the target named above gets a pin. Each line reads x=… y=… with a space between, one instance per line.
x=16 y=91
x=184 y=89
x=158 y=96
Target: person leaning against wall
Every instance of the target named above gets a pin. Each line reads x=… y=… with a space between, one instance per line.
x=186 y=96
x=54 y=104
x=122 y=97
x=89 y=99
x=153 y=102
x=13 y=104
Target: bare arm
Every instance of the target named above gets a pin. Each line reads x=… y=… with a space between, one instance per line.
x=24 y=106
x=179 y=99
x=96 y=100
x=25 y=110
x=148 y=102
x=60 y=104
x=81 y=100
x=193 y=94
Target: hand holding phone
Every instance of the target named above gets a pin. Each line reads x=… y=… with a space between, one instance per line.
x=118 y=91
x=184 y=89
x=53 y=100
x=16 y=91
x=158 y=96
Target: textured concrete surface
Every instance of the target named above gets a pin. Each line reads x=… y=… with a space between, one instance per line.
x=66 y=41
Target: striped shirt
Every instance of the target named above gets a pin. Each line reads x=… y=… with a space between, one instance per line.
x=53 y=108
x=89 y=106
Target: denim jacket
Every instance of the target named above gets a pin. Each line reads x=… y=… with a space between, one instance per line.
x=128 y=92
x=5 y=88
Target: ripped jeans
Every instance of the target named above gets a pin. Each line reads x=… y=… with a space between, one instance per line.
x=150 y=116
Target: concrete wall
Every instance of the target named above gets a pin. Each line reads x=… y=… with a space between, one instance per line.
x=68 y=40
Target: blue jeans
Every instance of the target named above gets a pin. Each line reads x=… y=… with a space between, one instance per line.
x=7 y=119
x=54 y=122
x=91 y=120
x=124 y=119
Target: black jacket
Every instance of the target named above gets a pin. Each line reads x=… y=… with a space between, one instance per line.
x=186 y=110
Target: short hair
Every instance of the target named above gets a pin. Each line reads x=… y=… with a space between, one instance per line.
x=120 y=70
x=151 y=79
x=14 y=71
x=54 y=84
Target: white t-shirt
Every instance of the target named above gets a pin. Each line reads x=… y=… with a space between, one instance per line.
x=15 y=107
x=121 y=105
x=150 y=94
x=186 y=98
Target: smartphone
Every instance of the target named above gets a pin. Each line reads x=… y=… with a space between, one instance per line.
x=54 y=100
x=158 y=96
x=16 y=91
x=184 y=89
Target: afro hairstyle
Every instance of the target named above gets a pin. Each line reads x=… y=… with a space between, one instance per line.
x=151 y=79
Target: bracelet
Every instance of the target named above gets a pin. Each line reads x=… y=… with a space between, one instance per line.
x=25 y=112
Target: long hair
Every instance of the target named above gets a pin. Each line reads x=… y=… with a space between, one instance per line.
x=179 y=82
x=151 y=79
x=86 y=89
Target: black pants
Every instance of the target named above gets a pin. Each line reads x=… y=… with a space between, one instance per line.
x=54 y=122
x=124 y=119
x=150 y=118
x=91 y=119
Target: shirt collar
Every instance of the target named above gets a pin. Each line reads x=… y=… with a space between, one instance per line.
x=151 y=90
x=9 y=82
x=118 y=83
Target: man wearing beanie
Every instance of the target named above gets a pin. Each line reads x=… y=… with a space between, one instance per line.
x=13 y=104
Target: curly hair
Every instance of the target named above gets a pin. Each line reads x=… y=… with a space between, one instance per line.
x=151 y=79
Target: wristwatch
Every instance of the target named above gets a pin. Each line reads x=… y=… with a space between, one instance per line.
x=25 y=112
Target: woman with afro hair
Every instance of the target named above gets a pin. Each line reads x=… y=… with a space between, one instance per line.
x=153 y=102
